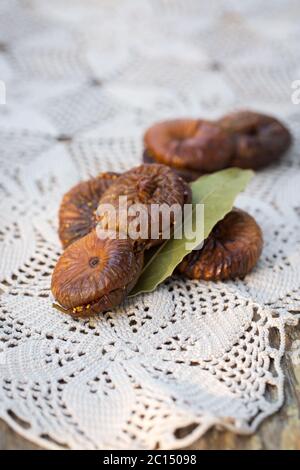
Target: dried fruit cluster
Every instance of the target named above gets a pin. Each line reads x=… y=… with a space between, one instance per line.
x=96 y=273
x=193 y=147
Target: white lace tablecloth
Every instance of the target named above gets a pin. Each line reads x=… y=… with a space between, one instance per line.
x=83 y=79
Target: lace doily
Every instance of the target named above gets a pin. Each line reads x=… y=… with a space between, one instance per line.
x=83 y=80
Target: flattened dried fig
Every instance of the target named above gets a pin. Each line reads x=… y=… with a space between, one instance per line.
x=230 y=251
x=147 y=185
x=192 y=144
x=94 y=275
x=77 y=211
x=259 y=139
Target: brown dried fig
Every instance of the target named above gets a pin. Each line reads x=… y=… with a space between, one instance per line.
x=146 y=185
x=259 y=139
x=192 y=144
x=77 y=214
x=230 y=251
x=94 y=275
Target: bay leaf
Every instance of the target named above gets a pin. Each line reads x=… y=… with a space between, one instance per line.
x=217 y=192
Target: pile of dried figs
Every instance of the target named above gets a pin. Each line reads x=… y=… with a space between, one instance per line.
x=95 y=274
x=193 y=147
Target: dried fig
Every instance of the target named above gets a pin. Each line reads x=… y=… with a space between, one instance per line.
x=77 y=211
x=147 y=185
x=191 y=144
x=94 y=275
x=259 y=139
x=230 y=251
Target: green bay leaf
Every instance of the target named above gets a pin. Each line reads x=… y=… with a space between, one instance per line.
x=217 y=192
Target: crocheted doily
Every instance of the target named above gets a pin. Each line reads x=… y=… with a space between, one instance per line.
x=83 y=80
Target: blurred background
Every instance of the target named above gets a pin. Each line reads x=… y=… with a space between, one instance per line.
x=111 y=67
x=91 y=75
